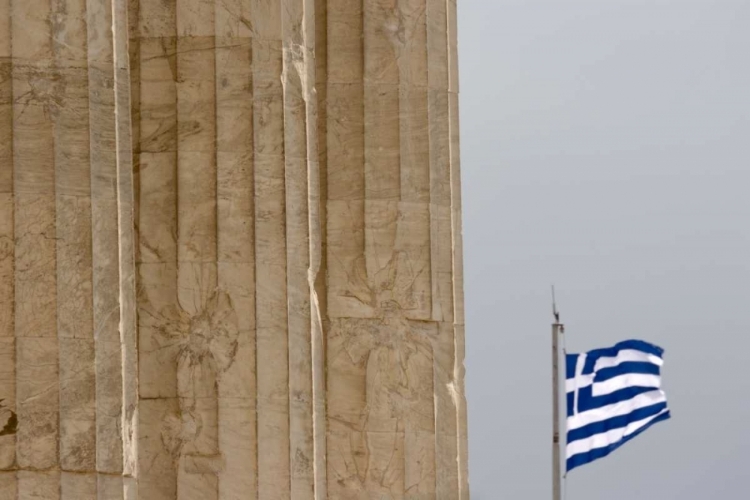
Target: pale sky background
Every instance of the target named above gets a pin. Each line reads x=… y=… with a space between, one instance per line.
x=606 y=149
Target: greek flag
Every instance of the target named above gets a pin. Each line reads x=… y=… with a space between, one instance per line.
x=613 y=395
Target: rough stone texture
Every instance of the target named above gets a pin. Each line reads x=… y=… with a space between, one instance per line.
x=230 y=250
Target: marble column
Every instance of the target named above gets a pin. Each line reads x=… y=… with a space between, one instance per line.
x=67 y=310
x=395 y=403
x=230 y=250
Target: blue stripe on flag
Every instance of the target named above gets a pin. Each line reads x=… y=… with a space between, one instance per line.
x=570 y=365
x=570 y=397
x=615 y=422
x=584 y=458
x=626 y=368
x=587 y=401
x=636 y=345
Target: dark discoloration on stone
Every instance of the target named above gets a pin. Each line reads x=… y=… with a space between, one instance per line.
x=11 y=423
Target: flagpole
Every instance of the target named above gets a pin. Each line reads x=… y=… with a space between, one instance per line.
x=555 y=412
x=557 y=329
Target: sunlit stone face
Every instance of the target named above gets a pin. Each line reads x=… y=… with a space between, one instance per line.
x=230 y=250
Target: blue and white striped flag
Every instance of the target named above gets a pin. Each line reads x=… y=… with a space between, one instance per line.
x=613 y=395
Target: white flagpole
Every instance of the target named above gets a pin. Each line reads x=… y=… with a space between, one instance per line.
x=557 y=329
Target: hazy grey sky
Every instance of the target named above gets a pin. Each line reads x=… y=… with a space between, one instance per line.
x=606 y=149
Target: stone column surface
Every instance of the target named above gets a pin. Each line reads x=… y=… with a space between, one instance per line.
x=230 y=251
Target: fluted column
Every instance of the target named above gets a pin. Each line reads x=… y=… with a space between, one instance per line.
x=66 y=284
x=227 y=197
x=396 y=409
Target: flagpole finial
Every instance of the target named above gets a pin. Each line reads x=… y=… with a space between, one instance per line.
x=555 y=312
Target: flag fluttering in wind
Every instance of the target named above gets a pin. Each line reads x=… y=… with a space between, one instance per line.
x=613 y=395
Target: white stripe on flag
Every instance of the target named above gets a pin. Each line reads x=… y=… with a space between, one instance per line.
x=609 y=437
x=580 y=364
x=624 y=381
x=578 y=382
x=616 y=410
x=626 y=355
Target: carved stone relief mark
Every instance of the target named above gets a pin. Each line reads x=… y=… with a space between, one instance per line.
x=205 y=344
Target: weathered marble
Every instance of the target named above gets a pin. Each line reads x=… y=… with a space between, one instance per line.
x=230 y=251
